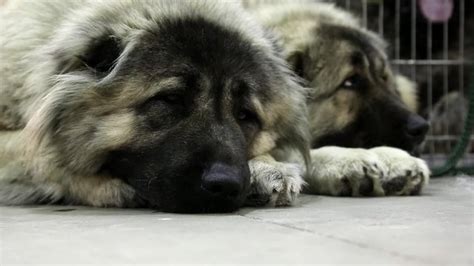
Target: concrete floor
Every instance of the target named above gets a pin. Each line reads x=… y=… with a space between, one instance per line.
x=436 y=228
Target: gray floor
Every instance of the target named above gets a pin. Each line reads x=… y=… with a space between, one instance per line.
x=436 y=228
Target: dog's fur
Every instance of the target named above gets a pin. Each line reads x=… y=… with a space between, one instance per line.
x=355 y=101
x=145 y=103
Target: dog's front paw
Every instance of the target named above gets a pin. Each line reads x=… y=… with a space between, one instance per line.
x=380 y=171
x=274 y=183
x=346 y=172
x=406 y=175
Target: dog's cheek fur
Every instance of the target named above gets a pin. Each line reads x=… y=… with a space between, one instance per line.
x=69 y=125
x=264 y=142
x=286 y=125
x=293 y=128
x=69 y=138
x=87 y=143
x=335 y=114
x=346 y=104
x=408 y=92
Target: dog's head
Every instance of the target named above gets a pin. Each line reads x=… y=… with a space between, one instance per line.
x=355 y=100
x=174 y=103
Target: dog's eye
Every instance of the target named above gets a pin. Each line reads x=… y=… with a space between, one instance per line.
x=352 y=82
x=245 y=115
x=171 y=99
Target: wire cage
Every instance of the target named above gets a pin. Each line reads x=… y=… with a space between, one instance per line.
x=428 y=43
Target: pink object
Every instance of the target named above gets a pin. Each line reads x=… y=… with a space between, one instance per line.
x=436 y=10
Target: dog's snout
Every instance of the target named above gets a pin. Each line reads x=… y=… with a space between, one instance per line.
x=416 y=127
x=223 y=181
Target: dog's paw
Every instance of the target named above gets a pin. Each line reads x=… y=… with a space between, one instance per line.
x=407 y=175
x=380 y=171
x=274 y=183
x=346 y=172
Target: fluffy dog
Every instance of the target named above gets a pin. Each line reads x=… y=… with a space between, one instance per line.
x=355 y=101
x=176 y=105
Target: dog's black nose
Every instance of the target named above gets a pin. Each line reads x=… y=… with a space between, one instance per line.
x=416 y=128
x=222 y=180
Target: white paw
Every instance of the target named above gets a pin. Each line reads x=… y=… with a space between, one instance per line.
x=359 y=172
x=274 y=183
x=346 y=172
x=407 y=175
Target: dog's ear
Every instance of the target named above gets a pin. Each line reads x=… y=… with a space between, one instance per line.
x=99 y=56
x=102 y=54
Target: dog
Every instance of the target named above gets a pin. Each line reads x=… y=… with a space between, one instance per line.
x=174 y=105
x=356 y=101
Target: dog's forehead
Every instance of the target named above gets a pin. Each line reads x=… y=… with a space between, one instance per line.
x=357 y=37
x=196 y=53
x=196 y=45
x=353 y=44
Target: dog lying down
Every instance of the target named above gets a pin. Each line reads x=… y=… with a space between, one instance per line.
x=167 y=104
x=181 y=106
x=355 y=101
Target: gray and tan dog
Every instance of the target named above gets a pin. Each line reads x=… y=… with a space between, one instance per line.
x=355 y=101
x=176 y=105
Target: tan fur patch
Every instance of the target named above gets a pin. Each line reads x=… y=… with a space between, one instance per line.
x=100 y=191
x=263 y=143
x=408 y=92
x=115 y=130
x=334 y=114
x=346 y=106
